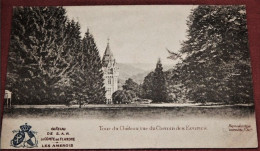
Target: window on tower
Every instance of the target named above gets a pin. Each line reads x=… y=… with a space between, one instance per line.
x=109 y=80
x=110 y=71
x=109 y=91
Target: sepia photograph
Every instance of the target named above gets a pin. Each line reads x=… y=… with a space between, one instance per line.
x=122 y=77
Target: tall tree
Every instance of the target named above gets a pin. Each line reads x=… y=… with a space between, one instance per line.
x=72 y=82
x=94 y=87
x=159 y=87
x=217 y=64
x=36 y=55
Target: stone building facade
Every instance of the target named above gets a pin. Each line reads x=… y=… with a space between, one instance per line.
x=111 y=73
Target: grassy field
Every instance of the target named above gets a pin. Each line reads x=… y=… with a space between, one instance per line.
x=125 y=112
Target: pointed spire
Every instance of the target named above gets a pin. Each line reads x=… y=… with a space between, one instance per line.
x=108 y=55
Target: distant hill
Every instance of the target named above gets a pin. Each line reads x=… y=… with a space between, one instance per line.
x=127 y=70
x=136 y=71
x=139 y=78
x=150 y=66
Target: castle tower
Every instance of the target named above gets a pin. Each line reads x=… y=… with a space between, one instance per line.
x=111 y=73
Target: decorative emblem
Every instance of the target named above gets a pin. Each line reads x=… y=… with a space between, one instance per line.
x=24 y=137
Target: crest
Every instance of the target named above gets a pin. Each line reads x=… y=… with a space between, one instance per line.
x=24 y=137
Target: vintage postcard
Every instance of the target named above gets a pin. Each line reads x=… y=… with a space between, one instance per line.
x=118 y=77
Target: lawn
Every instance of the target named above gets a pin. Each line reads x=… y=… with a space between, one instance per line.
x=130 y=112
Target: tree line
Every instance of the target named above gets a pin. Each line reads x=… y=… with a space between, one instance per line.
x=49 y=62
x=153 y=88
x=214 y=61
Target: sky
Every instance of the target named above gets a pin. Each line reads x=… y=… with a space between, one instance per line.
x=137 y=34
